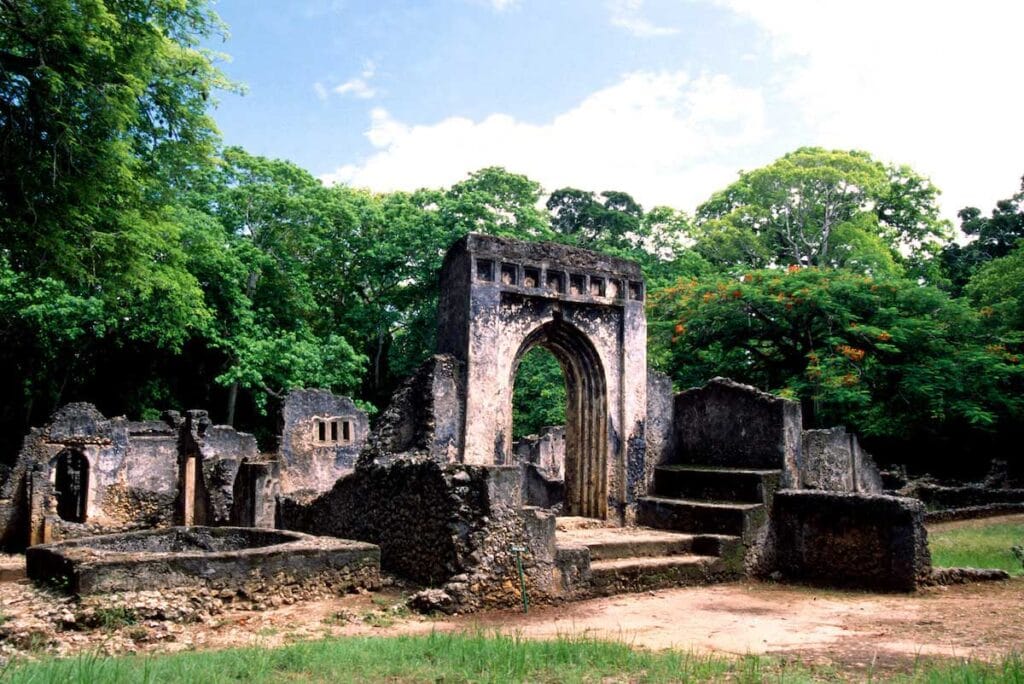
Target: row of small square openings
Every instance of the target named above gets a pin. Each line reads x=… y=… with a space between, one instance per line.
x=554 y=281
x=333 y=431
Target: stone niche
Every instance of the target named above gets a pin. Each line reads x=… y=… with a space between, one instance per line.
x=322 y=436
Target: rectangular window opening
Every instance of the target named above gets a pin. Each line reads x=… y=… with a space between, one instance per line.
x=596 y=286
x=485 y=270
x=636 y=290
x=531 y=277
x=346 y=431
x=577 y=284
x=321 y=429
x=556 y=282
x=509 y=274
x=334 y=431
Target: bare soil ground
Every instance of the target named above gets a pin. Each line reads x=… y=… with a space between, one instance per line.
x=849 y=631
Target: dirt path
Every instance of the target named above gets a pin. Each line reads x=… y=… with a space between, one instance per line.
x=851 y=631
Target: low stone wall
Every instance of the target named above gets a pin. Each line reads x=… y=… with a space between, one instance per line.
x=857 y=540
x=832 y=460
x=230 y=559
x=937 y=497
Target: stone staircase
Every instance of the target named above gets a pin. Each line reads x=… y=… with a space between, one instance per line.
x=709 y=500
x=694 y=528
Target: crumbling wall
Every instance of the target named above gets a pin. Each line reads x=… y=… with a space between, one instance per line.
x=832 y=460
x=844 y=539
x=436 y=521
x=321 y=438
x=729 y=424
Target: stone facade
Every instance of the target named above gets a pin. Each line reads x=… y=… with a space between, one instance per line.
x=85 y=474
x=499 y=299
x=322 y=436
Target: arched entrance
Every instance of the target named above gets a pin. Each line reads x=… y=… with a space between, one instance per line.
x=586 y=427
x=71 y=485
x=502 y=297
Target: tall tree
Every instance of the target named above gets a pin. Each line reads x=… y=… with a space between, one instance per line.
x=103 y=116
x=816 y=207
x=994 y=237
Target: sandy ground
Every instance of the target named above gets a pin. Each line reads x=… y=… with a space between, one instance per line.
x=851 y=631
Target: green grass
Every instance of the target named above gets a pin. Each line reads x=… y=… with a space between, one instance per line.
x=982 y=546
x=465 y=658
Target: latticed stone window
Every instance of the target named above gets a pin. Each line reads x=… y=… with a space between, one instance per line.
x=333 y=431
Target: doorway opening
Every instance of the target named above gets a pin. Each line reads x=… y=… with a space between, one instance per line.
x=71 y=485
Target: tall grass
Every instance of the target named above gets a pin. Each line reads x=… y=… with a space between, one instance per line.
x=978 y=546
x=464 y=658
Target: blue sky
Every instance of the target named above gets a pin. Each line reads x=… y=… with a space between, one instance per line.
x=665 y=99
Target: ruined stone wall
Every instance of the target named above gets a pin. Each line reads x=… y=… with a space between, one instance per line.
x=321 y=438
x=832 y=460
x=842 y=539
x=729 y=424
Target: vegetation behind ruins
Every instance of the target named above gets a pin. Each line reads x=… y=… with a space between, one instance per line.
x=144 y=266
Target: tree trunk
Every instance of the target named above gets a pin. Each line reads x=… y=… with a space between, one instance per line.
x=232 y=400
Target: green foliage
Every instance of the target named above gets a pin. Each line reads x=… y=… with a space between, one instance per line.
x=889 y=357
x=539 y=397
x=817 y=207
x=995 y=237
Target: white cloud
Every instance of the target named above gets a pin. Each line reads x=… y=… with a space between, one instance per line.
x=359 y=87
x=626 y=14
x=502 y=5
x=931 y=84
x=663 y=137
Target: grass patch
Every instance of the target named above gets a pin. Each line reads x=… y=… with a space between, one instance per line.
x=465 y=658
x=978 y=546
x=430 y=658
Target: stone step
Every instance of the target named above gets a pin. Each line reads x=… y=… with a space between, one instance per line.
x=566 y=523
x=739 y=519
x=644 y=573
x=631 y=542
x=715 y=484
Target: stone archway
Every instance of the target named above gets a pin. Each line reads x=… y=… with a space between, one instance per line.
x=501 y=297
x=586 y=428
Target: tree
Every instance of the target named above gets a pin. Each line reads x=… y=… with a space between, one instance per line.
x=994 y=237
x=815 y=207
x=102 y=122
x=889 y=357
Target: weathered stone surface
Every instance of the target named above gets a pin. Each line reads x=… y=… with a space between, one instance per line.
x=499 y=299
x=312 y=461
x=235 y=559
x=832 y=460
x=729 y=424
x=949 y=576
x=842 y=539
x=422 y=422
x=84 y=474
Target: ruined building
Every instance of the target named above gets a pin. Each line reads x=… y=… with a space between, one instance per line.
x=642 y=488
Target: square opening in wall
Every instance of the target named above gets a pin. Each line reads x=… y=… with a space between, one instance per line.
x=509 y=274
x=485 y=270
x=612 y=289
x=596 y=286
x=531 y=277
x=636 y=290
x=556 y=282
x=577 y=284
